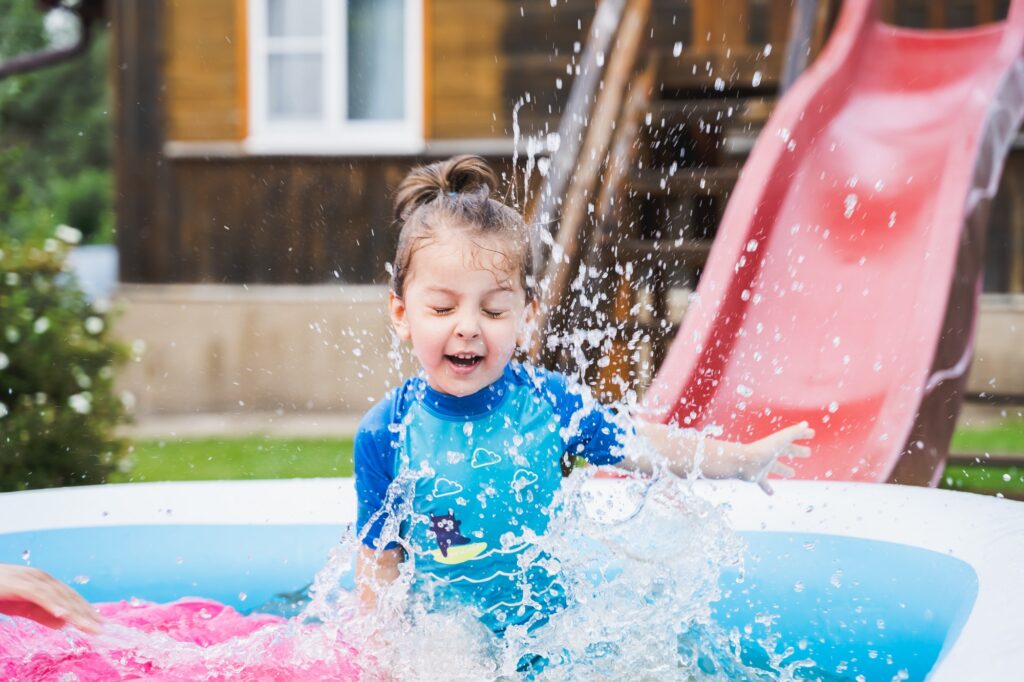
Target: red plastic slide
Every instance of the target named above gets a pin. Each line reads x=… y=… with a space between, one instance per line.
x=843 y=283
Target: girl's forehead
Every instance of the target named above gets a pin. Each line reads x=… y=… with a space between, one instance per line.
x=449 y=255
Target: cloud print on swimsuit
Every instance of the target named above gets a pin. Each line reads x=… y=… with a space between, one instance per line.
x=443 y=487
x=484 y=458
x=523 y=478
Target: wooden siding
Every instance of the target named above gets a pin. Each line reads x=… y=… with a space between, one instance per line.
x=464 y=87
x=277 y=220
x=142 y=176
x=300 y=219
x=205 y=70
x=273 y=220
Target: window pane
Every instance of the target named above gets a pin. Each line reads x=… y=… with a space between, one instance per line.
x=294 y=18
x=293 y=88
x=376 y=58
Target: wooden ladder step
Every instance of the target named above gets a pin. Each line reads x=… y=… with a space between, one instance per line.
x=685 y=181
x=656 y=328
x=692 y=251
x=743 y=69
x=735 y=111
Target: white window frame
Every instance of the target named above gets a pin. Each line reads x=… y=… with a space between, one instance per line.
x=333 y=135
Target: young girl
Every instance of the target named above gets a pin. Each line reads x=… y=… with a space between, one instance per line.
x=457 y=470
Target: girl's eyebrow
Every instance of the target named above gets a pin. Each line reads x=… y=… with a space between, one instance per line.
x=442 y=290
x=452 y=292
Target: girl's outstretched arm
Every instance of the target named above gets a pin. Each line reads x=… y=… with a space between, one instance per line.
x=31 y=593
x=375 y=571
x=722 y=459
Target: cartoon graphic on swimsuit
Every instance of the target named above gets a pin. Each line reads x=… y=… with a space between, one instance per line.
x=453 y=546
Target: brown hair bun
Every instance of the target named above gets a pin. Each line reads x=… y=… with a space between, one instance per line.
x=465 y=174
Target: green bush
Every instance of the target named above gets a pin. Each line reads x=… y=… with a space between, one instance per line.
x=58 y=408
x=55 y=134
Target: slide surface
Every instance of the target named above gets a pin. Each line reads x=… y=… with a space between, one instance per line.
x=842 y=285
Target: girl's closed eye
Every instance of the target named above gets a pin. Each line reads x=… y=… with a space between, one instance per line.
x=441 y=310
x=494 y=313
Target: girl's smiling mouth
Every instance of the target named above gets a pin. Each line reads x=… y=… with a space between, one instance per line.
x=464 y=362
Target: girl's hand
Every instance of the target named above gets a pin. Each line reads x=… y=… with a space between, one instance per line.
x=760 y=458
x=31 y=593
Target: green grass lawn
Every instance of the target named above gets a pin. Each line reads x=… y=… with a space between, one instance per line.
x=988 y=475
x=237 y=458
x=1007 y=437
x=263 y=457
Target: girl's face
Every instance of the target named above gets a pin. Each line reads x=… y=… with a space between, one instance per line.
x=463 y=313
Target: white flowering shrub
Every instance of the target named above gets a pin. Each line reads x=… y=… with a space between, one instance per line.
x=58 y=409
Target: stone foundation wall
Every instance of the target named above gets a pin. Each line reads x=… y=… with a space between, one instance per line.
x=210 y=348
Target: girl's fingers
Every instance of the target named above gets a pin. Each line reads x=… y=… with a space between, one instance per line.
x=801 y=451
x=765 y=486
x=87 y=621
x=796 y=432
x=71 y=607
x=783 y=470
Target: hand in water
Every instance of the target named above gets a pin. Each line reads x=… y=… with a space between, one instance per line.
x=762 y=456
x=31 y=593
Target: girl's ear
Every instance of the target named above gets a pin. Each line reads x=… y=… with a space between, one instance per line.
x=399 y=321
x=526 y=329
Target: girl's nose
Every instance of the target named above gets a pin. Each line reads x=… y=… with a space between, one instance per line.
x=468 y=327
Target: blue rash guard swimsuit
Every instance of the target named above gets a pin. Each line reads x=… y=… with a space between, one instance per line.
x=485 y=469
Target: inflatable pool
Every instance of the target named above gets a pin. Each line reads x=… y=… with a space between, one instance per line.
x=884 y=582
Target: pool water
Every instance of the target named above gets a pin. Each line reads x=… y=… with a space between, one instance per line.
x=859 y=609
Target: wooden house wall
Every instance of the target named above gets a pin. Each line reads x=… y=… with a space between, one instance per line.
x=206 y=217
x=204 y=69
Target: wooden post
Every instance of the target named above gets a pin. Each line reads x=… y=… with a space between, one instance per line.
x=1014 y=175
x=577 y=112
x=622 y=161
x=798 y=44
x=565 y=257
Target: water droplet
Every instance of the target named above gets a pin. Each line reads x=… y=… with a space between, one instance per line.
x=677 y=49
x=756 y=80
x=833 y=407
x=849 y=204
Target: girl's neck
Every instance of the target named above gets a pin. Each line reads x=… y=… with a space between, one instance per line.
x=474 y=404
